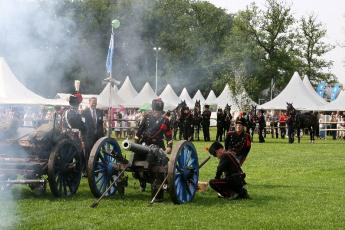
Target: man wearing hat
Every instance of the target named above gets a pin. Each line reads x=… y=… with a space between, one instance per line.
x=205 y=122
x=238 y=141
x=229 y=179
x=72 y=118
x=154 y=127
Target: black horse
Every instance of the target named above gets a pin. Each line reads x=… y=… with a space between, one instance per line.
x=300 y=121
x=197 y=118
x=177 y=119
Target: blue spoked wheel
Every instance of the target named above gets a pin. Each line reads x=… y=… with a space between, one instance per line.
x=183 y=172
x=100 y=171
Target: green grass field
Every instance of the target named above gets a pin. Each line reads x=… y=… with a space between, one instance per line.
x=298 y=186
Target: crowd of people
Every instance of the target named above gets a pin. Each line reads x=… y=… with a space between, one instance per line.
x=153 y=127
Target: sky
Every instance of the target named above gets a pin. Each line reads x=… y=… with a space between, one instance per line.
x=330 y=13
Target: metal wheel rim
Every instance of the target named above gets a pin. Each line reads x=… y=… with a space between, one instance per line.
x=100 y=170
x=183 y=172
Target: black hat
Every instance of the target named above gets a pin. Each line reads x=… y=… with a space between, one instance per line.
x=157 y=104
x=241 y=121
x=214 y=147
x=207 y=106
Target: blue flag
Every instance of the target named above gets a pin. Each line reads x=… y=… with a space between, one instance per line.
x=335 y=91
x=109 y=62
x=321 y=87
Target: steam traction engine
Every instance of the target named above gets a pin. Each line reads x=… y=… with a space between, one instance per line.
x=47 y=150
x=107 y=164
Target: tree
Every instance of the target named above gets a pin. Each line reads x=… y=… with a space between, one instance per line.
x=311 y=48
x=266 y=36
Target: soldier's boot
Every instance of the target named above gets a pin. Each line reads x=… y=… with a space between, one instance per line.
x=142 y=185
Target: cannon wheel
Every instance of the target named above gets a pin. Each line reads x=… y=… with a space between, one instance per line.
x=100 y=166
x=183 y=172
x=64 y=169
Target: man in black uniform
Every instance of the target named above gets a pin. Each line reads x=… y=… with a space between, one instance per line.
x=72 y=118
x=262 y=126
x=229 y=179
x=206 y=115
x=152 y=130
x=238 y=141
x=188 y=128
x=220 y=125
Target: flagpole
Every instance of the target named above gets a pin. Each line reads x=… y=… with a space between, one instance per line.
x=114 y=25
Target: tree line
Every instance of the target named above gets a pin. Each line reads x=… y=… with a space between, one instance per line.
x=200 y=44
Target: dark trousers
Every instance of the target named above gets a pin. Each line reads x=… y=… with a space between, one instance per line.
x=222 y=186
x=282 y=132
x=291 y=134
x=334 y=133
x=228 y=187
x=219 y=133
x=261 y=137
x=276 y=130
x=206 y=131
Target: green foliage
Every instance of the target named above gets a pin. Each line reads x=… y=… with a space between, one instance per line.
x=201 y=44
x=311 y=48
x=265 y=41
x=292 y=186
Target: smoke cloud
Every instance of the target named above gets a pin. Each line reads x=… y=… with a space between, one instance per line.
x=37 y=44
x=7 y=210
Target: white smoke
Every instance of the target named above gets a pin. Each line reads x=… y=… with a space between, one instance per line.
x=7 y=210
x=36 y=42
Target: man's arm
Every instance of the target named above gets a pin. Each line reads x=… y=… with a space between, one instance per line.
x=223 y=164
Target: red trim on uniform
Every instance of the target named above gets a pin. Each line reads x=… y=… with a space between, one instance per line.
x=163 y=127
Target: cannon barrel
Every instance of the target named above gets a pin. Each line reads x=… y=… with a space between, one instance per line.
x=137 y=148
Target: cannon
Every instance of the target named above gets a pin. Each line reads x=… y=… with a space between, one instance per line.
x=36 y=154
x=107 y=165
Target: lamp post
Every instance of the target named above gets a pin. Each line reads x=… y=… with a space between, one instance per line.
x=157 y=49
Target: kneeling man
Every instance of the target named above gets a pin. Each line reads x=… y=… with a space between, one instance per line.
x=229 y=180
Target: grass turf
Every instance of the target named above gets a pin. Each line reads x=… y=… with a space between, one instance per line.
x=292 y=186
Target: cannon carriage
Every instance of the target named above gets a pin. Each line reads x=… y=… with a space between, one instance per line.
x=179 y=174
x=34 y=155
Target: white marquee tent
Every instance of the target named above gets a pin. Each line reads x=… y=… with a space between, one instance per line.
x=226 y=97
x=109 y=97
x=296 y=93
x=146 y=95
x=127 y=91
x=198 y=96
x=169 y=96
x=12 y=91
x=211 y=98
x=310 y=88
x=185 y=96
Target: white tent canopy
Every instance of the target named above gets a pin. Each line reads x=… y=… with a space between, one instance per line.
x=146 y=95
x=310 y=88
x=184 y=96
x=109 y=97
x=296 y=93
x=127 y=91
x=211 y=98
x=226 y=97
x=198 y=96
x=12 y=91
x=169 y=96
x=336 y=105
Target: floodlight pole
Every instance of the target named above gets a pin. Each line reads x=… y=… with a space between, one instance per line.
x=157 y=49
